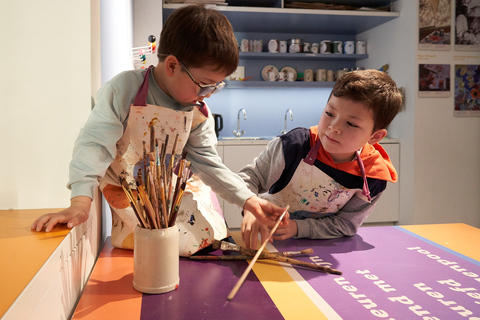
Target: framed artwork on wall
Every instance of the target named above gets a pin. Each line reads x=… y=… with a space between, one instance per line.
x=433 y=80
x=467 y=90
x=467 y=25
x=434 y=22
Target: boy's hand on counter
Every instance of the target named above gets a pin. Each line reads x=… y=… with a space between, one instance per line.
x=266 y=212
x=286 y=232
x=74 y=215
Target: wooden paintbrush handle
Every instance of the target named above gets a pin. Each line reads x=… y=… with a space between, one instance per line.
x=304 y=264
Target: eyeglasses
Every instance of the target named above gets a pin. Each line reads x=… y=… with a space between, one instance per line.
x=204 y=90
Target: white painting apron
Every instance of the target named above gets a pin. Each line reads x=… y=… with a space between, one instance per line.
x=313 y=193
x=130 y=148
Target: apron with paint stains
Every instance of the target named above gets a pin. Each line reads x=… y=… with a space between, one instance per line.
x=311 y=193
x=130 y=154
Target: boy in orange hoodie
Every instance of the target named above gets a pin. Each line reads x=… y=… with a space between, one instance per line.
x=333 y=174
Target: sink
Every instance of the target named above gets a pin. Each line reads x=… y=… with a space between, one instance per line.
x=244 y=138
x=241 y=138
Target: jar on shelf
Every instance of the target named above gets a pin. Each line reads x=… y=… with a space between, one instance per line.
x=295 y=45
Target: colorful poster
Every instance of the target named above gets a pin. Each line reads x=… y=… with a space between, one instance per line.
x=467 y=25
x=434 y=21
x=433 y=80
x=467 y=90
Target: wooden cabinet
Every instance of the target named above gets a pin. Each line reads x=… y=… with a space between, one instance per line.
x=237 y=154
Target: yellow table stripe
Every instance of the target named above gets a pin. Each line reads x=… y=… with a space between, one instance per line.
x=290 y=299
x=458 y=237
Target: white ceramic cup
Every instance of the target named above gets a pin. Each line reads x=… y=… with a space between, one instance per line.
x=308 y=75
x=156 y=266
x=273 y=45
x=282 y=76
x=321 y=75
x=291 y=76
x=349 y=47
x=244 y=45
x=331 y=76
x=361 y=47
x=272 y=76
x=283 y=46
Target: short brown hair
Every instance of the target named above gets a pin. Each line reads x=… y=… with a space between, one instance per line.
x=198 y=36
x=376 y=89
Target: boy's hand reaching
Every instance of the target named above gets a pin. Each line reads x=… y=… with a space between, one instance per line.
x=251 y=227
x=74 y=215
x=250 y=230
x=254 y=223
x=265 y=211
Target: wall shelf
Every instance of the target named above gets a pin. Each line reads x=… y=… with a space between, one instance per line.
x=287 y=20
x=300 y=56
x=277 y=84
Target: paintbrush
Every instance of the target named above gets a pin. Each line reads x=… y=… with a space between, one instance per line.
x=223 y=257
x=237 y=286
x=133 y=204
x=277 y=256
x=224 y=245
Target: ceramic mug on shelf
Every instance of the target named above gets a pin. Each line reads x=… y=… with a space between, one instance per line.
x=326 y=47
x=272 y=76
x=308 y=75
x=337 y=47
x=349 y=47
x=273 y=45
x=321 y=75
x=291 y=76
x=283 y=46
x=361 y=47
x=331 y=76
x=282 y=76
x=244 y=45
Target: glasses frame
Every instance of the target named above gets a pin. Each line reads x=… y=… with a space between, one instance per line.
x=207 y=89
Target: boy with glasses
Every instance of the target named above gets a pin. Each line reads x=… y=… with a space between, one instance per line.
x=197 y=50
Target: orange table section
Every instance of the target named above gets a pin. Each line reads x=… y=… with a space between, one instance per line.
x=23 y=251
x=42 y=275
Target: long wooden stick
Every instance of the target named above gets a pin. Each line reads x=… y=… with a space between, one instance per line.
x=240 y=281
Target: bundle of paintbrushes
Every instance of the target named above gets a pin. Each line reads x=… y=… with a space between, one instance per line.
x=160 y=185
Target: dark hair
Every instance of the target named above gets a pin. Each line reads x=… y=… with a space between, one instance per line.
x=198 y=36
x=376 y=89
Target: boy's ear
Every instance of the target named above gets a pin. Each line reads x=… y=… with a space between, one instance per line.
x=171 y=63
x=377 y=136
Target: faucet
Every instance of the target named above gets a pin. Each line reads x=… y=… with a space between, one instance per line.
x=288 y=112
x=237 y=132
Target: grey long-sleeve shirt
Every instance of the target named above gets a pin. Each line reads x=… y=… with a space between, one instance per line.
x=95 y=147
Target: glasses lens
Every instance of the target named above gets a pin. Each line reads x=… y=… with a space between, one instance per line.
x=220 y=86
x=205 y=91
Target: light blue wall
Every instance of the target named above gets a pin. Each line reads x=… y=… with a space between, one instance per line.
x=266 y=108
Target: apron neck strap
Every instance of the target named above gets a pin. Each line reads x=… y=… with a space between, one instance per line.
x=312 y=154
x=141 y=97
x=365 y=190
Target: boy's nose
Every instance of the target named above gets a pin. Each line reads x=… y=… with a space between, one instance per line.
x=334 y=128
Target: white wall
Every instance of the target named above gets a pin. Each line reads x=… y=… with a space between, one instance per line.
x=45 y=89
x=440 y=153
